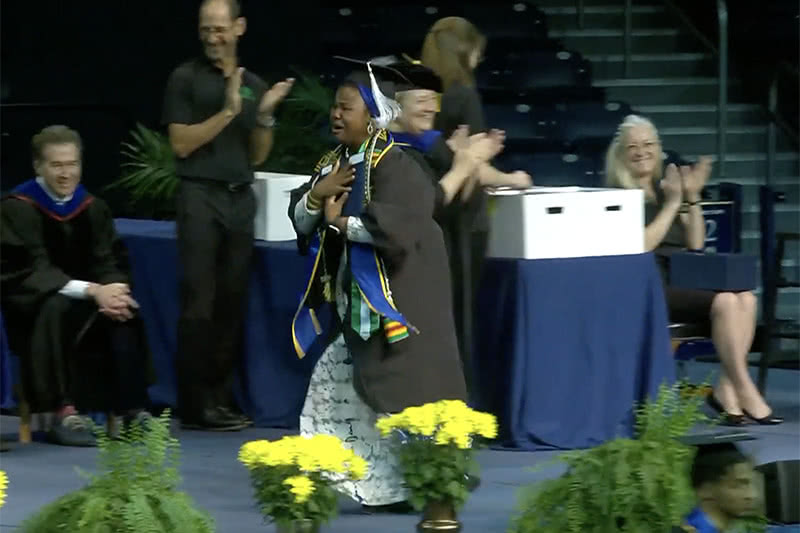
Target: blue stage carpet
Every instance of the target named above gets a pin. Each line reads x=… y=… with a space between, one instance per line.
x=39 y=473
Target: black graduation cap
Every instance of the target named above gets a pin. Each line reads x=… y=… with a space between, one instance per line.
x=415 y=75
x=387 y=79
x=394 y=75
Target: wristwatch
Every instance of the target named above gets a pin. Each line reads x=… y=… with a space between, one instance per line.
x=266 y=122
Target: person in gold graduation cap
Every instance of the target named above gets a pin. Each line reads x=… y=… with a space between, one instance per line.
x=377 y=304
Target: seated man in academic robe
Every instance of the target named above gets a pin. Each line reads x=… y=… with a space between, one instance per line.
x=66 y=301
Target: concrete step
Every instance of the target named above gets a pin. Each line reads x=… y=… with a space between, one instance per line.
x=608 y=16
x=674 y=91
x=786 y=217
x=790 y=186
x=611 y=66
x=607 y=4
x=676 y=116
x=750 y=245
x=745 y=165
x=611 y=41
x=704 y=139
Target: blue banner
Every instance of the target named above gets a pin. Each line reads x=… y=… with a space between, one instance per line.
x=720 y=227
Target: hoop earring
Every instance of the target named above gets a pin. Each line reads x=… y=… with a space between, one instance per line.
x=370 y=129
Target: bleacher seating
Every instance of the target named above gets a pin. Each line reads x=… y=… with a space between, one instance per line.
x=552 y=169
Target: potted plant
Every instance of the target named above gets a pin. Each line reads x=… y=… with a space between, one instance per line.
x=436 y=445
x=294 y=478
x=624 y=485
x=149 y=177
x=135 y=490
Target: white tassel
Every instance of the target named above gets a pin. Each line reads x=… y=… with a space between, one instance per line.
x=388 y=109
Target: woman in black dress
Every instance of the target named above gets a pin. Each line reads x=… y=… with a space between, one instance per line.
x=674 y=221
x=453 y=49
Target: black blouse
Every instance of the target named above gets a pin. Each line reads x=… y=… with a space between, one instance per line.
x=462 y=105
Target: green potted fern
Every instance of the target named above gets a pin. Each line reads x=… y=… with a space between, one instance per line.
x=135 y=490
x=148 y=169
x=624 y=485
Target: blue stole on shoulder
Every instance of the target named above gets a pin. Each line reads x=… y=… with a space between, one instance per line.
x=700 y=522
x=371 y=296
x=33 y=193
x=421 y=142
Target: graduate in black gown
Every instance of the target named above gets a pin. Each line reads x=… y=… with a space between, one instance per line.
x=378 y=302
x=66 y=298
x=415 y=131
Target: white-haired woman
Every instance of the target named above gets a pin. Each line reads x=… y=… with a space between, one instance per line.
x=674 y=221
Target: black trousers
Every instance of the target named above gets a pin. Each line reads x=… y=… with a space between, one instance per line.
x=215 y=247
x=69 y=353
x=467 y=253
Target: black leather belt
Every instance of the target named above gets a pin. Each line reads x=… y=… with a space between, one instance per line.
x=232 y=187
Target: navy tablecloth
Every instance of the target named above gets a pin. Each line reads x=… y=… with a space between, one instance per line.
x=564 y=347
x=272 y=386
x=567 y=346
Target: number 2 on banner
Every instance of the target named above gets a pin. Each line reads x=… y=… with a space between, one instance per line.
x=711 y=235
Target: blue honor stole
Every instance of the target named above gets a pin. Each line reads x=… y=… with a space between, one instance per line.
x=371 y=299
x=698 y=522
x=422 y=142
x=33 y=193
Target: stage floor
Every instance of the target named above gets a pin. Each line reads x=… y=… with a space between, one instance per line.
x=39 y=473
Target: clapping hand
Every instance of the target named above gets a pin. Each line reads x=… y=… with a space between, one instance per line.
x=275 y=96
x=694 y=178
x=233 y=99
x=672 y=185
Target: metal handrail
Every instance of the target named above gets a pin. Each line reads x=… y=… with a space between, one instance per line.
x=628 y=36
x=722 y=105
x=774 y=120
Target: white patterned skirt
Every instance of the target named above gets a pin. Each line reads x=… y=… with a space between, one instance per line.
x=333 y=407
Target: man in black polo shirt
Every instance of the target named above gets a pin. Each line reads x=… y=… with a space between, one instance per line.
x=220 y=127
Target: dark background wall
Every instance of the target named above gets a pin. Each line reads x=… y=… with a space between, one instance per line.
x=100 y=66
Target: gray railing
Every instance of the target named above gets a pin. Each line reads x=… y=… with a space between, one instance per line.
x=722 y=105
x=783 y=69
x=722 y=53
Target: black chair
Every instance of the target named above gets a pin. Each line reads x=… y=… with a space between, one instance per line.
x=773 y=280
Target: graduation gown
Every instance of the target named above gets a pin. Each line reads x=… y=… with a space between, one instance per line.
x=60 y=341
x=465 y=249
x=423 y=367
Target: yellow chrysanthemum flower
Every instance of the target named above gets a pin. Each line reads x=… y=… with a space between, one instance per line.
x=301 y=486
x=358 y=467
x=3 y=485
x=447 y=422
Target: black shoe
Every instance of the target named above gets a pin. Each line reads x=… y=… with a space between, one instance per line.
x=769 y=420
x=238 y=415
x=72 y=430
x=213 y=419
x=391 y=508
x=728 y=419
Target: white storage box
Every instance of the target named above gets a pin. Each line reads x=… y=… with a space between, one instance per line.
x=272 y=213
x=552 y=222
